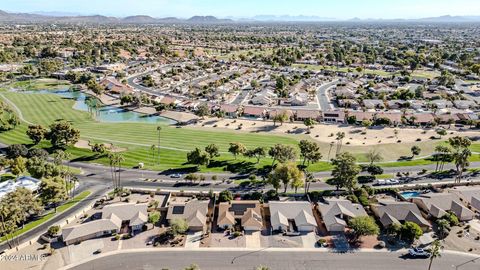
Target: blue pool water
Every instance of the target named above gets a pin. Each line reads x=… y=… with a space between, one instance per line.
x=410 y=194
x=106 y=113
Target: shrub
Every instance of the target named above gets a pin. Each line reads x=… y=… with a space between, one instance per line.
x=179 y=226
x=53 y=230
x=225 y=196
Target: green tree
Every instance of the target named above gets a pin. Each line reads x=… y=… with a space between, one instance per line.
x=411 y=231
x=237 y=149
x=178 y=226
x=282 y=153
x=363 y=226
x=154 y=217
x=225 y=196
x=36 y=133
x=52 y=190
x=18 y=166
x=212 y=150
x=256 y=153
x=62 y=134
x=461 y=153
x=197 y=157
x=309 y=151
x=415 y=151
x=99 y=148
x=309 y=123
x=281 y=117
x=374 y=156
x=203 y=110
x=287 y=173
x=345 y=171
x=434 y=252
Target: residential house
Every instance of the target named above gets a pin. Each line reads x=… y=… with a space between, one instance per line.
x=395 y=212
x=336 y=213
x=464 y=104
x=437 y=204
x=244 y=213
x=253 y=112
x=470 y=196
x=193 y=211
x=292 y=216
x=333 y=116
x=231 y=111
x=373 y=104
x=112 y=219
x=302 y=115
x=441 y=103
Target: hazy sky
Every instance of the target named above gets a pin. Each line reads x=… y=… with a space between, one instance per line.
x=341 y=9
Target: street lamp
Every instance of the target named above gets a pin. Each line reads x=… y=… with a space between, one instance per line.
x=158 y=145
x=467 y=262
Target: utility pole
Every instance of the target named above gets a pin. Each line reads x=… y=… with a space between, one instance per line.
x=158 y=145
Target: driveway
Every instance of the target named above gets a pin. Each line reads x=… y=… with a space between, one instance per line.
x=253 y=240
x=193 y=239
x=340 y=242
x=84 y=250
x=309 y=240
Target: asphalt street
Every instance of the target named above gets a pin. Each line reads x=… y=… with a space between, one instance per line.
x=275 y=260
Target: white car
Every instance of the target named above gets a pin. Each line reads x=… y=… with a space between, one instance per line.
x=418 y=252
x=176 y=175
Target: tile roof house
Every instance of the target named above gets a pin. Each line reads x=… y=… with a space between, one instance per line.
x=114 y=86
x=112 y=218
x=255 y=112
x=194 y=212
x=292 y=216
x=390 y=212
x=336 y=213
x=437 y=204
x=247 y=213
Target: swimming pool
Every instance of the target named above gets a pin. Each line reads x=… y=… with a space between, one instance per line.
x=410 y=194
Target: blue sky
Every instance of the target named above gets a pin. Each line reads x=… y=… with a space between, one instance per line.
x=341 y=9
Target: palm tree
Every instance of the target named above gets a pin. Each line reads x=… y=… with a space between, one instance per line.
x=330 y=149
x=435 y=252
x=116 y=160
x=374 y=156
x=158 y=145
x=153 y=148
x=339 y=138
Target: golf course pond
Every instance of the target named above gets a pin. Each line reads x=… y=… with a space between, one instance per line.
x=104 y=113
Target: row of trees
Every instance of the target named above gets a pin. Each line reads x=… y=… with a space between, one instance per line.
x=309 y=152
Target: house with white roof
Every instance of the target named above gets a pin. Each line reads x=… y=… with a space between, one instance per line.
x=292 y=216
x=22 y=181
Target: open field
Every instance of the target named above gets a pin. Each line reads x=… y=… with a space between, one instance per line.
x=175 y=142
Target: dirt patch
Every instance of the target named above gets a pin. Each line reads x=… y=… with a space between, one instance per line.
x=84 y=144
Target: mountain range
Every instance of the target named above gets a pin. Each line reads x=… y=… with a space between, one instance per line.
x=64 y=17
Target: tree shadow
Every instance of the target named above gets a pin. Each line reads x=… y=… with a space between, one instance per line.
x=242 y=167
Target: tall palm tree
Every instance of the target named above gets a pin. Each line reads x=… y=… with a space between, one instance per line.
x=435 y=252
x=153 y=148
x=339 y=138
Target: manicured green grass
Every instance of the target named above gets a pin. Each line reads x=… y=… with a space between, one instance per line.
x=45 y=218
x=39 y=84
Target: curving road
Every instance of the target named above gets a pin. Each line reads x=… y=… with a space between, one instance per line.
x=324 y=103
x=275 y=260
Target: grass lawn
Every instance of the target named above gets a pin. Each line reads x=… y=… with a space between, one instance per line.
x=40 y=84
x=45 y=218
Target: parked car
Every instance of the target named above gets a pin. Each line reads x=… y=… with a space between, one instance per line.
x=98 y=251
x=418 y=252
